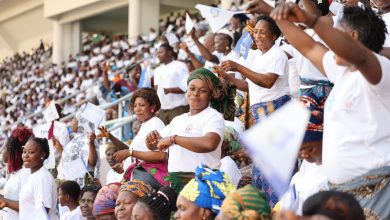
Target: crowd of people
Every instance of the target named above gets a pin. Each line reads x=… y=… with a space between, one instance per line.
x=192 y=100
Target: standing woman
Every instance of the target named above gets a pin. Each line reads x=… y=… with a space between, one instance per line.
x=40 y=190
x=196 y=137
x=357 y=112
x=266 y=81
x=12 y=155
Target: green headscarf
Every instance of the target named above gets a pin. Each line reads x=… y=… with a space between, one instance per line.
x=223 y=92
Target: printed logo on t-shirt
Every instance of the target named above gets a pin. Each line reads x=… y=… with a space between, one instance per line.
x=188 y=128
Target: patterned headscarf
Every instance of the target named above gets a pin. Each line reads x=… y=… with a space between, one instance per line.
x=315 y=128
x=208 y=189
x=245 y=204
x=105 y=199
x=223 y=92
x=137 y=187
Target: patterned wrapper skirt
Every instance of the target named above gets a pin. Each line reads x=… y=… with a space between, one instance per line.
x=260 y=111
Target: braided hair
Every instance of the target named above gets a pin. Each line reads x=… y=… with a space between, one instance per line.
x=160 y=203
x=14 y=145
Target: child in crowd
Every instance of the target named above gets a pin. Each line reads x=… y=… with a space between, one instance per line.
x=68 y=195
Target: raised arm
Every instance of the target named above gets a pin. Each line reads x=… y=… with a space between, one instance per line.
x=92 y=156
x=106 y=82
x=115 y=141
x=345 y=46
x=197 y=64
x=203 y=50
x=259 y=7
x=312 y=50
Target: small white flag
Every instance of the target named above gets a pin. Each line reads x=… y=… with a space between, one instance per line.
x=189 y=24
x=93 y=114
x=271 y=3
x=74 y=169
x=51 y=113
x=172 y=39
x=216 y=17
x=274 y=143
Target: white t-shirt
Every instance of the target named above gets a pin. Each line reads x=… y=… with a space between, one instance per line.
x=356 y=122
x=138 y=142
x=11 y=191
x=304 y=67
x=173 y=74
x=230 y=168
x=386 y=19
x=206 y=121
x=38 y=191
x=308 y=181
x=273 y=61
x=209 y=64
x=113 y=177
x=73 y=215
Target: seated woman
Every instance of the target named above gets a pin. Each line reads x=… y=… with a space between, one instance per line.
x=202 y=197
x=196 y=137
x=12 y=155
x=246 y=203
x=129 y=194
x=145 y=104
x=104 y=204
x=39 y=192
x=156 y=206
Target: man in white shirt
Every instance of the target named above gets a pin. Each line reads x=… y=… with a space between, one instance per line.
x=170 y=81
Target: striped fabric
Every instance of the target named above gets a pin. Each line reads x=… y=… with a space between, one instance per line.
x=137 y=187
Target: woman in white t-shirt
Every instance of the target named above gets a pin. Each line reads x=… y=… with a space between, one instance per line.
x=38 y=196
x=196 y=137
x=266 y=81
x=356 y=138
x=12 y=155
x=145 y=104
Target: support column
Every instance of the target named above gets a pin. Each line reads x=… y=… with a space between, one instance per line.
x=57 y=43
x=66 y=40
x=143 y=15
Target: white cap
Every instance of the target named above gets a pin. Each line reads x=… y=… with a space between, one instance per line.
x=227 y=32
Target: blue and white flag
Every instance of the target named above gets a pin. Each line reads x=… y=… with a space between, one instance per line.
x=274 y=143
x=216 y=17
x=243 y=45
